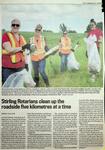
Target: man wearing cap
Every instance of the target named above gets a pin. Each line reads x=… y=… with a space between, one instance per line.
x=38 y=60
x=64 y=50
x=13 y=44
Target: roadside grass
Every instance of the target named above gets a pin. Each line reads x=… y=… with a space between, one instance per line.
x=79 y=78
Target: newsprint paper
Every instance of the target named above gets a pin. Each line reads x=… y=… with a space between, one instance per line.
x=52 y=75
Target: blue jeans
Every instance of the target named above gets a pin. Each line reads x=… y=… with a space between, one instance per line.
x=6 y=72
x=39 y=67
x=63 y=62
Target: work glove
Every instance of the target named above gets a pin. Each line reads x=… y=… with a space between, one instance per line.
x=26 y=67
x=72 y=50
x=46 y=48
x=60 y=54
x=26 y=46
x=86 y=54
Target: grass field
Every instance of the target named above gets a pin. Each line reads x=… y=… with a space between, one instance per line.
x=69 y=78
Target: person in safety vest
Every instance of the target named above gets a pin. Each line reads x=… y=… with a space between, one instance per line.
x=38 y=60
x=64 y=50
x=13 y=46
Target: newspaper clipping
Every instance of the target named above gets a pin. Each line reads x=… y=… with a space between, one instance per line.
x=52 y=75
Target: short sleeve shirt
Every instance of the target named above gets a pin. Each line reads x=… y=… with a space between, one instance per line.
x=5 y=38
x=98 y=33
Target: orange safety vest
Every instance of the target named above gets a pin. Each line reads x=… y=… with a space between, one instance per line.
x=18 y=56
x=39 y=48
x=65 y=45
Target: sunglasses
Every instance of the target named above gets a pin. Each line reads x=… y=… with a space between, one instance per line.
x=38 y=30
x=15 y=25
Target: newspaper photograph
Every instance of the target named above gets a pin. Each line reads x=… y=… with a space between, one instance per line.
x=52 y=75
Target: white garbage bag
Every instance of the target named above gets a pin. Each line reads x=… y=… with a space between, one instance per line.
x=28 y=60
x=94 y=63
x=20 y=79
x=72 y=63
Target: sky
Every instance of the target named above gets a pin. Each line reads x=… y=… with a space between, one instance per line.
x=75 y=17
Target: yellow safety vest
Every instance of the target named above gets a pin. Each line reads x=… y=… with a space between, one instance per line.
x=65 y=45
x=18 y=56
x=39 y=48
